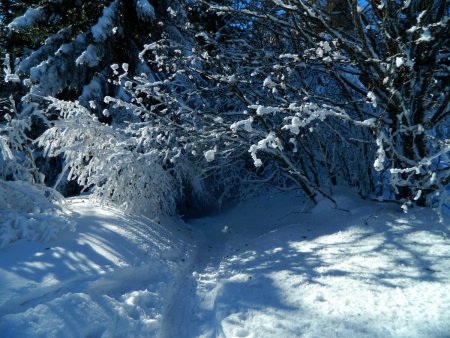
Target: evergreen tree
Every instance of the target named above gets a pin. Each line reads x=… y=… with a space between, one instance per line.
x=65 y=48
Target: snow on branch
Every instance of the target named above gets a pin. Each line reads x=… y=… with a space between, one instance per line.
x=145 y=10
x=9 y=75
x=105 y=24
x=109 y=161
x=29 y=19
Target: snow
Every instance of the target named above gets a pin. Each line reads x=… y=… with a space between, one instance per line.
x=262 y=110
x=371 y=122
x=421 y=16
x=171 y=12
x=245 y=124
x=31 y=16
x=9 y=76
x=12 y=78
x=381 y=154
x=26 y=213
x=399 y=61
x=268 y=82
x=295 y=125
x=145 y=10
x=273 y=266
x=281 y=271
x=425 y=36
x=284 y=5
x=104 y=27
x=88 y=57
x=109 y=278
x=372 y=98
x=210 y=155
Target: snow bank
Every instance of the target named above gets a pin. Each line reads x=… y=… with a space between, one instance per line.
x=110 y=278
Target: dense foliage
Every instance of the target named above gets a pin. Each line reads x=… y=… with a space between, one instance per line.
x=166 y=105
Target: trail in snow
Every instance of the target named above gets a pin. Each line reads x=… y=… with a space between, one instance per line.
x=191 y=307
x=270 y=267
x=193 y=310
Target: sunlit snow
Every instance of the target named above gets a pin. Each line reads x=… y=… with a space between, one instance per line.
x=269 y=267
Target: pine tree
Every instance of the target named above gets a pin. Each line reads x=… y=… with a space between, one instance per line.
x=65 y=49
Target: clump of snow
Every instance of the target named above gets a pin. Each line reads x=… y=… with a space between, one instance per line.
x=412 y=29
x=128 y=85
x=262 y=110
x=367 y=123
x=271 y=141
x=245 y=124
x=295 y=125
x=421 y=15
x=290 y=57
x=256 y=161
x=372 y=98
x=399 y=61
x=12 y=78
x=9 y=75
x=381 y=154
x=425 y=36
x=268 y=82
x=171 y=12
x=210 y=155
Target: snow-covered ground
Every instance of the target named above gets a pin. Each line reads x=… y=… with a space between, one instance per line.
x=269 y=267
x=110 y=278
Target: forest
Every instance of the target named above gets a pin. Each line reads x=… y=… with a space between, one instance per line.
x=179 y=109
x=174 y=105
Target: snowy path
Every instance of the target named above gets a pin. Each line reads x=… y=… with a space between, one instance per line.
x=265 y=268
x=268 y=269
x=192 y=304
x=193 y=310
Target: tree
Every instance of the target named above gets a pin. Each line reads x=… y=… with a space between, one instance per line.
x=68 y=59
x=71 y=58
x=389 y=62
x=28 y=209
x=264 y=91
x=189 y=116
